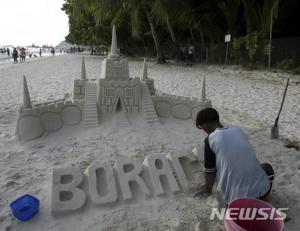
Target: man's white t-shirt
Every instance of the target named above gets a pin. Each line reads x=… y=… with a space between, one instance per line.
x=238 y=172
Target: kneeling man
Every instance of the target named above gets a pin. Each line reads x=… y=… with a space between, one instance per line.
x=230 y=159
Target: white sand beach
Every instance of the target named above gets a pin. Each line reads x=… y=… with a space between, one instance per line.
x=250 y=99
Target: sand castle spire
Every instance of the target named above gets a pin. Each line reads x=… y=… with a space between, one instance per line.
x=203 y=90
x=83 y=71
x=26 y=96
x=114 y=47
x=114 y=44
x=145 y=70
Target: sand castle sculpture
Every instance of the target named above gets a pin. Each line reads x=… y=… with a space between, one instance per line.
x=115 y=95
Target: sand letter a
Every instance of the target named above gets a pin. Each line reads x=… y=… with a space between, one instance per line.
x=159 y=167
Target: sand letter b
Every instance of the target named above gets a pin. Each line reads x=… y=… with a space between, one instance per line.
x=66 y=195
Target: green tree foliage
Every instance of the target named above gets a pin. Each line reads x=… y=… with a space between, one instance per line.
x=159 y=23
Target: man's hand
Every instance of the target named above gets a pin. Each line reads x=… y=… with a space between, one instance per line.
x=202 y=194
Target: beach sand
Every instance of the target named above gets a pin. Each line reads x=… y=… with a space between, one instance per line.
x=246 y=98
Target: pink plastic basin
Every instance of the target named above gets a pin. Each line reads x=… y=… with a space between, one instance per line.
x=250 y=214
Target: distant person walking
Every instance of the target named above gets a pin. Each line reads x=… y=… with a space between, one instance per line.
x=40 y=52
x=22 y=55
x=8 y=52
x=191 y=55
x=15 y=55
x=52 y=51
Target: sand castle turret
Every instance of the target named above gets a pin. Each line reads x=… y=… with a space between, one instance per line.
x=29 y=124
x=144 y=70
x=83 y=70
x=115 y=89
x=79 y=84
x=149 y=82
x=203 y=90
x=26 y=97
x=114 y=67
x=114 y=54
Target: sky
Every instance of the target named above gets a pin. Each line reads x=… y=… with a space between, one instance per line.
x=27 y=22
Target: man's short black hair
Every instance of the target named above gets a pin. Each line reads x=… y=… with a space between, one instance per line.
x=207 y=115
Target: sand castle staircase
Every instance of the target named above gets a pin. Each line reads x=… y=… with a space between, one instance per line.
x=120 y=120
x=149 y=112
x=90 y=106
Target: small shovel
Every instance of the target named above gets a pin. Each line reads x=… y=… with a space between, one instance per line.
x=274 y=129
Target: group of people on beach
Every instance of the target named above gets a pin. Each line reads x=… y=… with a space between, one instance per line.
x=75 y=50
x=15 y=55
x=4 y=50
x=22 y=53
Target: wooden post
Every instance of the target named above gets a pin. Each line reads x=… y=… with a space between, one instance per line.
x=227 y=40
x=270 y=41
x=206 y=56
x=226 y=53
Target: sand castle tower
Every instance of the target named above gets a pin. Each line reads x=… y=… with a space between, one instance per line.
x=28 y=123
x=144 y=70
x=116 y=90
x=26 y=97
x=149 y=82
x=114 y=53
x=83 y=71
x=79 y=84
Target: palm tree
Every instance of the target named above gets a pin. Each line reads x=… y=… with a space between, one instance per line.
x=230 y=10
x=159 y=53
x=199 y=19
x=258 y=15
x=117 y=11
x=259 y=18
x=166 y=12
